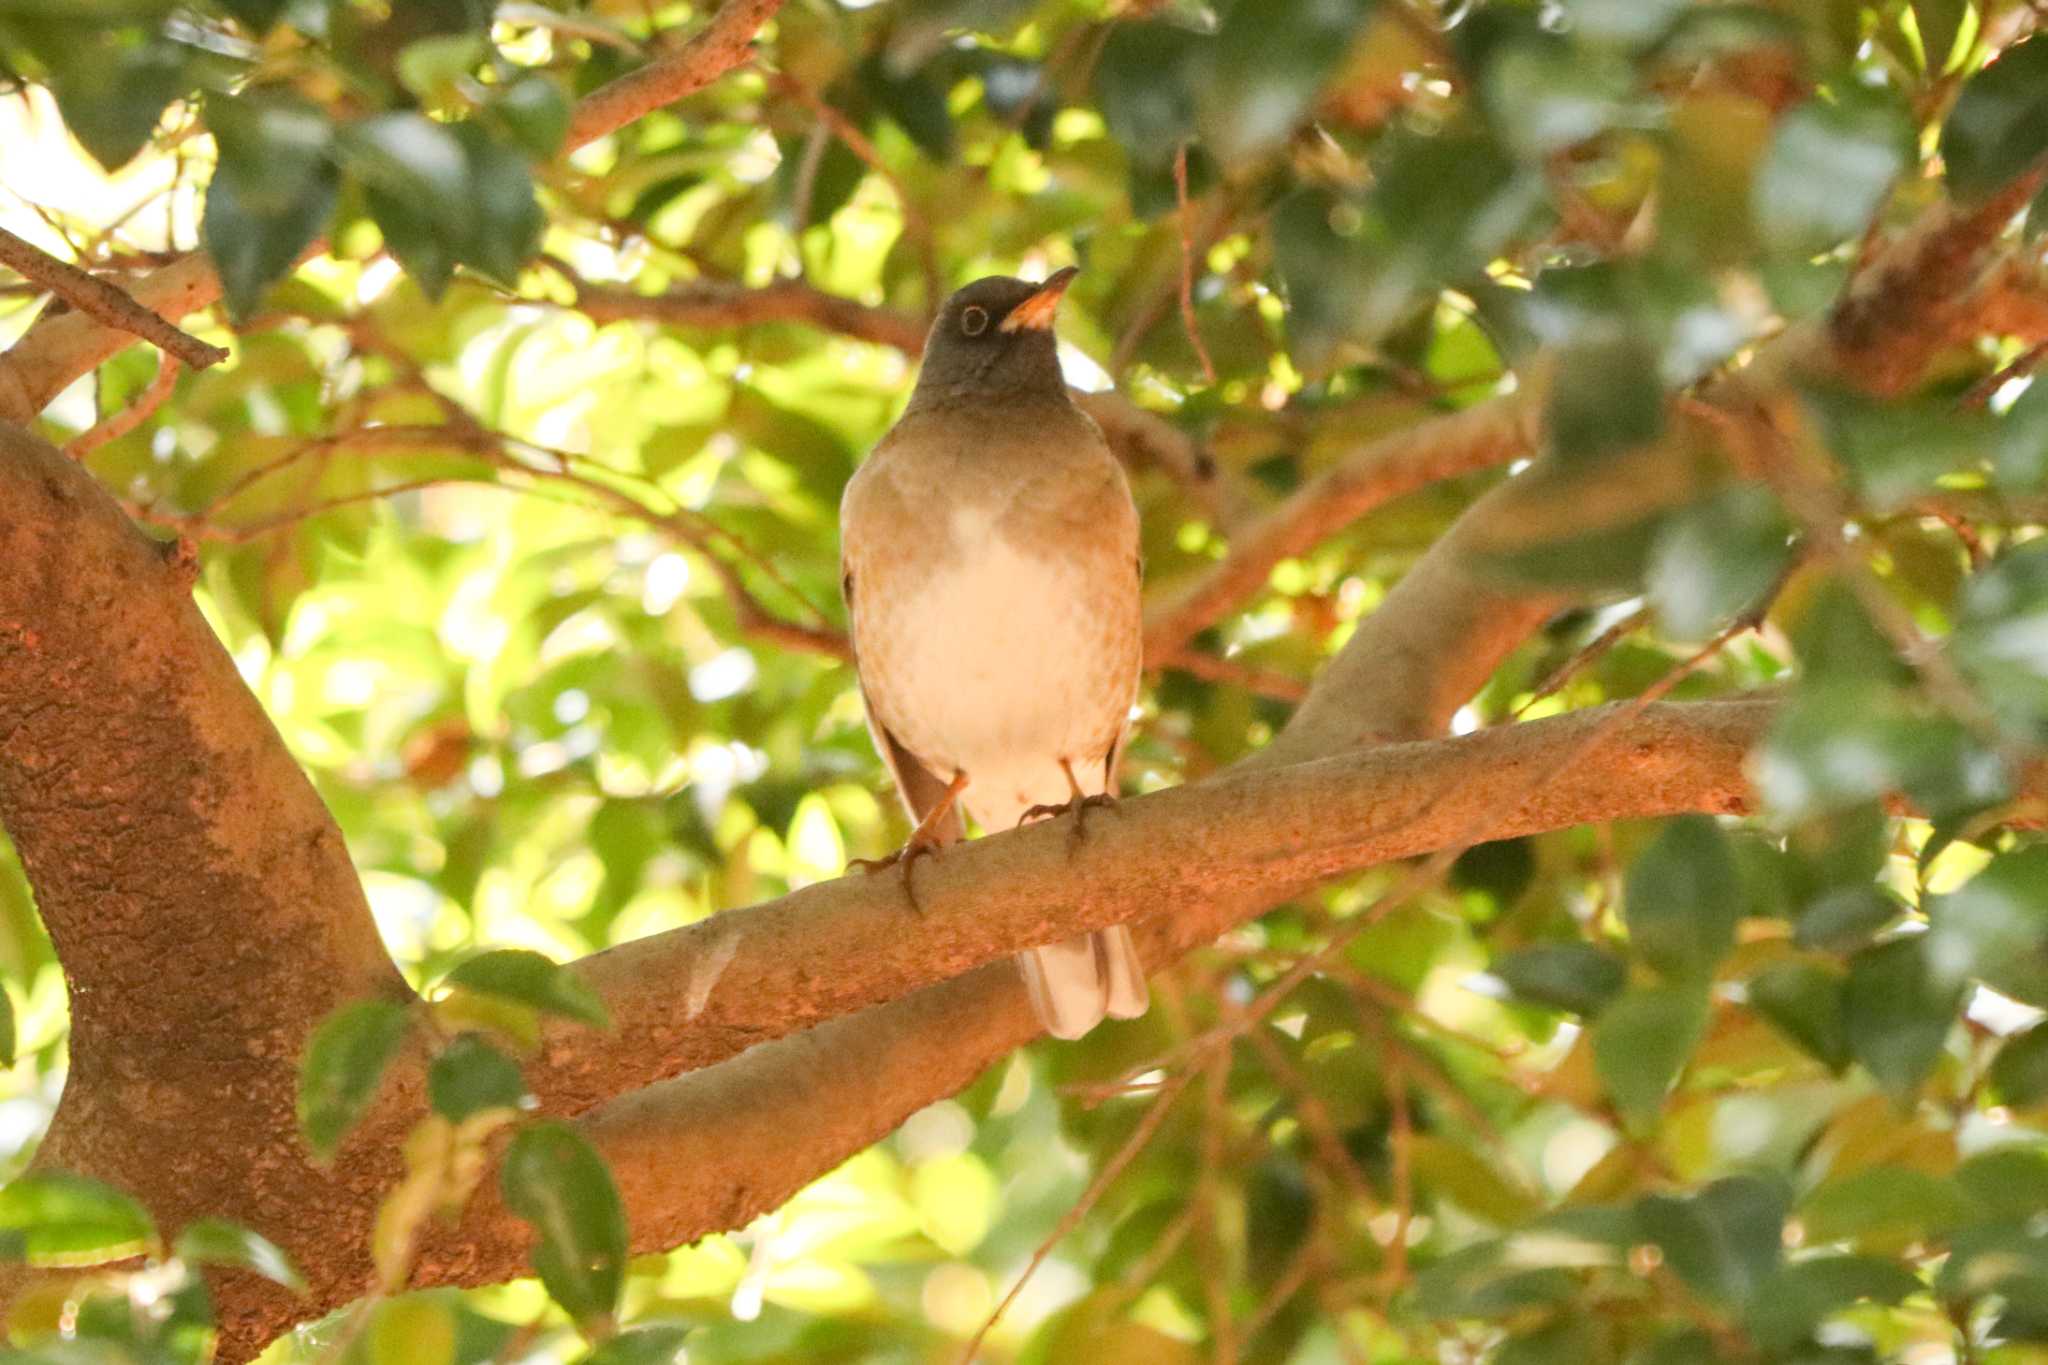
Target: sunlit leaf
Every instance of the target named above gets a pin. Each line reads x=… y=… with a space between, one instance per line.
x=553 y=1179
x=343 y=1066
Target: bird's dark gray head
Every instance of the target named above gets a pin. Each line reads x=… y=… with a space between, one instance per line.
x=993 y=339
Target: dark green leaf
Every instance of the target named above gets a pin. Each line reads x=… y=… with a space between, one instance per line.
x=1888 y=1204
x=1804 y=1000
x=915 y=102
x=1607 y=396
x=554 y=1180
x=509 y=221
x=257 y=15
x=2012 y=1179
x=2019 y=1073
x=1999 y=124
x=1683 y=898
x=215 y=1241
x=658 y=1345
x=1896 y=450
x=525 y=976
x=1898 y=1017
x=271 y=193
x=1724 y=1241
x=1791 y=1304
x=1717 y=559
x=344 y=1063
x=1546 y=95
x=536 y=111
x=56 y=1218
x=1829 y=166
x=1641 y=1043
x=470 y=1075
x=1265 y=68
x=113 y=96
x=1144 y=84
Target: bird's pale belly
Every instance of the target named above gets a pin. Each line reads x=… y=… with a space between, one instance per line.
x=1001 y=666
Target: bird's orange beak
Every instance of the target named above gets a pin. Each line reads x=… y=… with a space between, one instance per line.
x=1037 y=311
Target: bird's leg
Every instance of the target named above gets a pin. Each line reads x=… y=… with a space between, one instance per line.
x=1079 y=803
x=924 y=841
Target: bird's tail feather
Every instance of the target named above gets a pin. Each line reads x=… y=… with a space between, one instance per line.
x=1074 y=985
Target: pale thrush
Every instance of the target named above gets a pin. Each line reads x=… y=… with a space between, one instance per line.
x=990 y=557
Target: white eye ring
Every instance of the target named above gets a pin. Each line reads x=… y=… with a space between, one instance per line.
x=973 y=320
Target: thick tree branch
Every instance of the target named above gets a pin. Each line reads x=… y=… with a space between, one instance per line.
x=1491 y=433
x=200 y=897
x=55 y=352
x=1216 y=851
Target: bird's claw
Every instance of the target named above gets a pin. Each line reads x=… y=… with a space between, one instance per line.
x=904 y=858
x=1080 y=806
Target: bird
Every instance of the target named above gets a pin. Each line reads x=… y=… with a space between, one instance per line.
x=990 y=562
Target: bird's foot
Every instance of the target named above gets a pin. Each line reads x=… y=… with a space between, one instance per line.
x=905 y=859
x=1080 y=803
x=924 y=842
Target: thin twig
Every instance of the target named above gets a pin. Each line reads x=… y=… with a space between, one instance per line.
x=138 y=410
x=1187 y=264
x=103 y=302
x=1134 y=1144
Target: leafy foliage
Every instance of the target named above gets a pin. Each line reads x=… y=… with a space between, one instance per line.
x=517 y=505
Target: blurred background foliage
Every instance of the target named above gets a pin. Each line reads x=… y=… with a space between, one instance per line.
x=516 y=507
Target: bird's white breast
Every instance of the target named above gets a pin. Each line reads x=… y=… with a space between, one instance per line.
x=1002 y=664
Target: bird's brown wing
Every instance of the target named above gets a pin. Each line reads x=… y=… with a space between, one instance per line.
x=920 y=788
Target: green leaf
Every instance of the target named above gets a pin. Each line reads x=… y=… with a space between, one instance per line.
x=1718 y=558
x=509 y=222
x=1641 y=1043
x=55 y=1218
x=1546 y=95
x=1828 y=168
x=525 y=976
x=256 y=15
x=533 y=107
x=2001 y=636
x=1888 y=1206
x=1999 y=124
x=216 y=1241
x=2012 y=1179
x=1145 y=89
x=1607 y=395
x=416 y=176
x=113 y=96
x=914 y=101
x=1793 y=1303
x=1683 y=898
x=1898 y=1017
x=1266 y=67
x=1724 y=1241
x=556 y=1181
x=2019 y=1073
x=1994 y=928
x=344 y=1063
x=1570 y=976
x=1804 y=1001
x=2020 y=450
x=1896 y=450
x=271 y=194
x=657 y=1345
x=470 y=1075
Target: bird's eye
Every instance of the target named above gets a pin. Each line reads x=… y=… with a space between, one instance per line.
x=973 y=320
